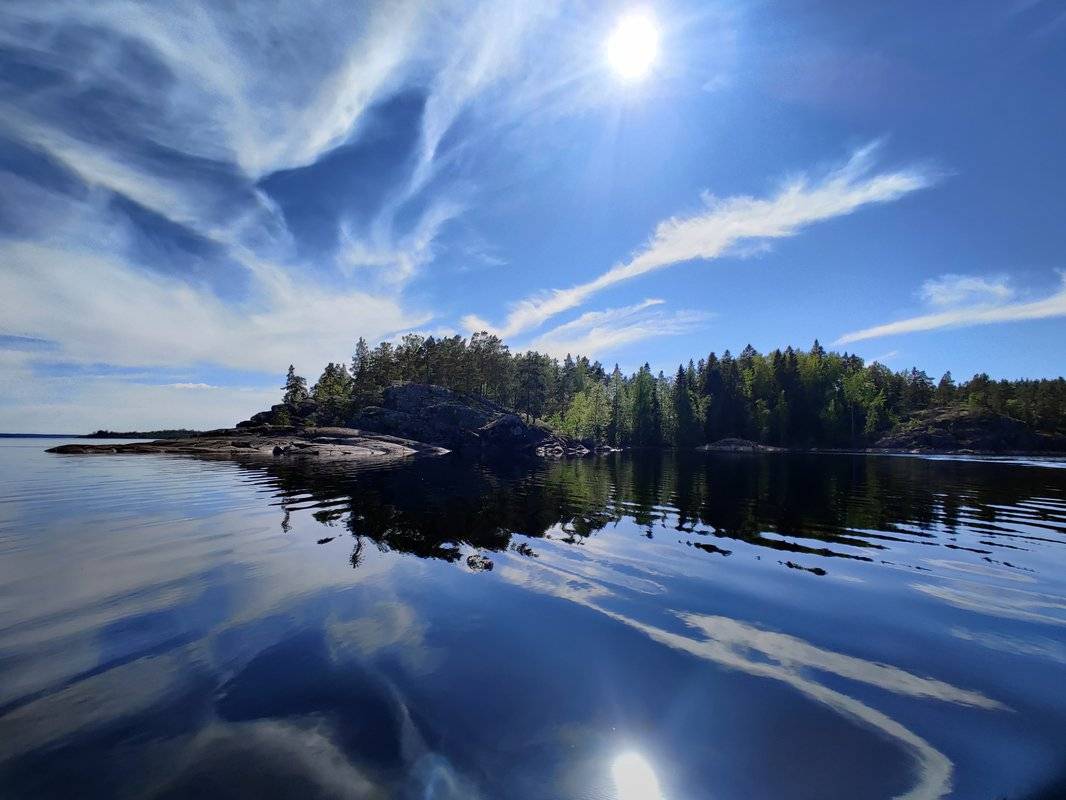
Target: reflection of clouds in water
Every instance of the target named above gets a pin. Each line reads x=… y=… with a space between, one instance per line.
x=387 y=625
x=169 y=572
x=998 y=601
x=934 y=768
x=791 y=651
x=432 y=777
x=730 y=643
x=261 y=757
x=289 y=755
x=558 y=583
x=984 y=570
x=96 y=701
x=1040 y=646
x=272 y=750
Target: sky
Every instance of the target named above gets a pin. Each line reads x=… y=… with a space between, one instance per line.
x=195 y=195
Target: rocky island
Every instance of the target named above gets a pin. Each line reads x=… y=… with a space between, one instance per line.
x=412 y=420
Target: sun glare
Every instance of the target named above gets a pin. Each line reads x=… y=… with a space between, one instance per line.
x=634 y=778
x=633 y=45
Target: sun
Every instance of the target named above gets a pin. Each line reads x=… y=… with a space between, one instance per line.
x=633 y=45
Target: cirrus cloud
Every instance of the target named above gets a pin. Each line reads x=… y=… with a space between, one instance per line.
x=724 y=225
x=968 y=315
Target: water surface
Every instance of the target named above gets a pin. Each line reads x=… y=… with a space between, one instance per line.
x=672 y=626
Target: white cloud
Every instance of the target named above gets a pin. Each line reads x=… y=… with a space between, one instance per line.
x=595 y=333
x=395 y=262
x=485 y=44
x=103 y=309
x=232 y=88
x=240 y=94
x=197 y=103
x=724 y=225
x=1054 y=305
x=953 y=290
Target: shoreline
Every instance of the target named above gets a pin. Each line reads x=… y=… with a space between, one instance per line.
x=217 y=442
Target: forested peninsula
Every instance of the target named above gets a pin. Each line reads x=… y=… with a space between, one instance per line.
x=430 y=395
x=789 y=398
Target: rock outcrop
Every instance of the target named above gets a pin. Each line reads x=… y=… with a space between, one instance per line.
x=437 y=416
x=273 y=443
x=959 y=428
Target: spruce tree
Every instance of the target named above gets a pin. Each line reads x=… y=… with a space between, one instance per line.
x=295 y=387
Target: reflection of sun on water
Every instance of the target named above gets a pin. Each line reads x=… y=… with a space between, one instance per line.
x=634 y=778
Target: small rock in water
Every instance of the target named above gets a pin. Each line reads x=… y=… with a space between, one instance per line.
x=812 y=570
x=479 y=563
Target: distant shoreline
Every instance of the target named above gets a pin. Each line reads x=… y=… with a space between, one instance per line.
x=42 y=435
x=166 y=434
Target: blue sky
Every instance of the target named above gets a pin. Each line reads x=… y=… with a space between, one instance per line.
x=192 y=196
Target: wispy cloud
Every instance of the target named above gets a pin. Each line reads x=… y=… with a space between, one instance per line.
x=595 y=333
x=192 y=107
x=953 y=290
x=395 y=261
x=1054 y=305
x=725 y=224
x=203 y=90
x=104 y=309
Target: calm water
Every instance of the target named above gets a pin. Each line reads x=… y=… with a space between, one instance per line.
x=655 y=626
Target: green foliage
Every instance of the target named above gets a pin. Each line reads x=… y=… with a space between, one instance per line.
x=295 y=387
x=786 y=397
x=647 y=411
x=532 y=384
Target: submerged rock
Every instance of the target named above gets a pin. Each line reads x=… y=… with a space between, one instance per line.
x=479 y=563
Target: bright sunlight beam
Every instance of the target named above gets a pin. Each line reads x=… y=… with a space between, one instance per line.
x=633 y=45
x=634 y=778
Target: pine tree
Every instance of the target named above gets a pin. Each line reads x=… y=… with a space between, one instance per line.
x=945 y=390
x=295 y=387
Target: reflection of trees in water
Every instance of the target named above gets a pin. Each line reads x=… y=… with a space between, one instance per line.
x=432 y=508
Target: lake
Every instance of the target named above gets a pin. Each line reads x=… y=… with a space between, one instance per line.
x=653 y=626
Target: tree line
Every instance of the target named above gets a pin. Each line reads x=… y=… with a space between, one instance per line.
x=787 y=397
